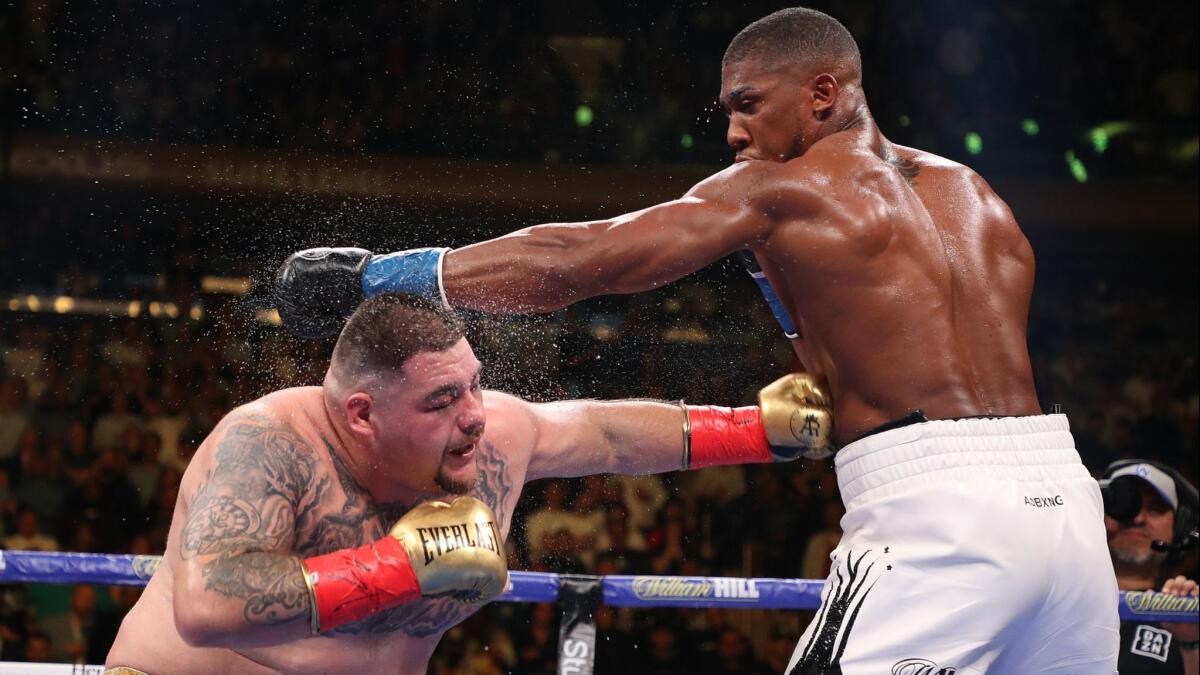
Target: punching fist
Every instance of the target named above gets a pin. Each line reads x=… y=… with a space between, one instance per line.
x=455 y=549
x=317 y=289
x=797 y=416
x=793 y=419
x=436 y=549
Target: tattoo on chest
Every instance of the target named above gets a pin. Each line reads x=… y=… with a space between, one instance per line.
x=357 y=522
x=435 y=615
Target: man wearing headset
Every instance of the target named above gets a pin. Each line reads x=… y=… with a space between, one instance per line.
x=1150 y=516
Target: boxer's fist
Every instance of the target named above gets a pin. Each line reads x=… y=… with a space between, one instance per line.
x=797 y=417
x=317 y=289
x=454 y=549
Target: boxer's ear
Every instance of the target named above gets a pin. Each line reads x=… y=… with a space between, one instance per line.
x=359 y=407
x=825 y=90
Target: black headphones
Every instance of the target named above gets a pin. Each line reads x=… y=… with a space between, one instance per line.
x=1123 y=501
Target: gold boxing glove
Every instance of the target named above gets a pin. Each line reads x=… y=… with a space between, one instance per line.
x=798 y=418
x=455 y=549
x=436 y=549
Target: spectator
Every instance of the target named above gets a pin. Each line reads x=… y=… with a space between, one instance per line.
x=109 y=426
x=165 y=419
x=29 y=535
x=643 y=496
x=108 y=621
x=13 y=419
x=39 y=648
x=1151 y=647
x=71 y=631
x=143 y=473
x=42 y=488
x=553 y=517
x=732 y=657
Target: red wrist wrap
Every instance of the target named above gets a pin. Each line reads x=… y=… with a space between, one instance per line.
x=726 y=436
x=355 y=583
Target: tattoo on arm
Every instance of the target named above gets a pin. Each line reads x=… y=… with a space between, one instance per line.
x=244 y=515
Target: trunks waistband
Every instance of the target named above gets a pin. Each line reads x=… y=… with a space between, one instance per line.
x=1031 y=448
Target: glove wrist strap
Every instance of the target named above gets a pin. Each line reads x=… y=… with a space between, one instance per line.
x=354 y=583
x=417 y=271
x=721 y=435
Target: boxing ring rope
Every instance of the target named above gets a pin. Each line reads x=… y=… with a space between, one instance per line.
x=578 y=594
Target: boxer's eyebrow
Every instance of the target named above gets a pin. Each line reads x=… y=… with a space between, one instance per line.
x=442 y=391
x=730 y=100
x=452 y=390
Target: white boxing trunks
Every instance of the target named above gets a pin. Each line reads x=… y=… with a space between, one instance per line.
x=970 y=546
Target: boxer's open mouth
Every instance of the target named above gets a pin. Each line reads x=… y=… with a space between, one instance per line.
x=464 y=451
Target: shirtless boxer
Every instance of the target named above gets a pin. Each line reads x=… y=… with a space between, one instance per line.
x=903 y=279
x=304 y=539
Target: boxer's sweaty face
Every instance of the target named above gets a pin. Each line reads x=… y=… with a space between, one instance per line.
x=435 y=418
x=766 y=108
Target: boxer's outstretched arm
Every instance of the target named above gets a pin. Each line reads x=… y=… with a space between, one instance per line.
x=236 y=585
x=580 y=438
x=547 y=267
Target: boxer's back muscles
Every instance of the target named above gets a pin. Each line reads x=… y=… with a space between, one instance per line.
x=264 y=487
x=910 y=283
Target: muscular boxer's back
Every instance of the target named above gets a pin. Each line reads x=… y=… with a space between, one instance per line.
x=398 y=641
x=910 y=287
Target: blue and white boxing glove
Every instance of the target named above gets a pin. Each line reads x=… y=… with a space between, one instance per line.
x=317 y=289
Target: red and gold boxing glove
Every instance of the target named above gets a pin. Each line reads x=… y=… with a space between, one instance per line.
x=436 y=549
x=793 y=419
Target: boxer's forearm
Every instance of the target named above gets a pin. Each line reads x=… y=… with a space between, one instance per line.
x=547 y=267
x=642 y=437
x=247 y=600
x=580 y=438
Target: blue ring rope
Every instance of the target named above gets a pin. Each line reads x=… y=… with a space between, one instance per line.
x=621 y=591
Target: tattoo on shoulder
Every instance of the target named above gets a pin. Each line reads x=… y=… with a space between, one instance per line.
x=907 y=168
x=360 y=520
x=244 y=514
x=495 y=484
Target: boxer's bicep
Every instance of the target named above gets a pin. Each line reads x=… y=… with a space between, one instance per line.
x=579 y=438
x=238 y=584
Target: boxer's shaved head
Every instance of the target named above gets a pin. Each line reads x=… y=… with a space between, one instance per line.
x=798 y=36
x=385 y=331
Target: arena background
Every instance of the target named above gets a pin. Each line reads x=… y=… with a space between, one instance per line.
x=157 y=159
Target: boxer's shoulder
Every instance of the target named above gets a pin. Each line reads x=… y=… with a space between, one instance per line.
x=510 y=419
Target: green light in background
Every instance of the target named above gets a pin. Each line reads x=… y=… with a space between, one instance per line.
x=686 y=141
x=584 y=115
x=1030 y=127
x=974 y=143
x=1099 y=139
x=904 y=121
x=1078 y=170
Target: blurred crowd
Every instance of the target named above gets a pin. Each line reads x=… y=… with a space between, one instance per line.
x=506 y=81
